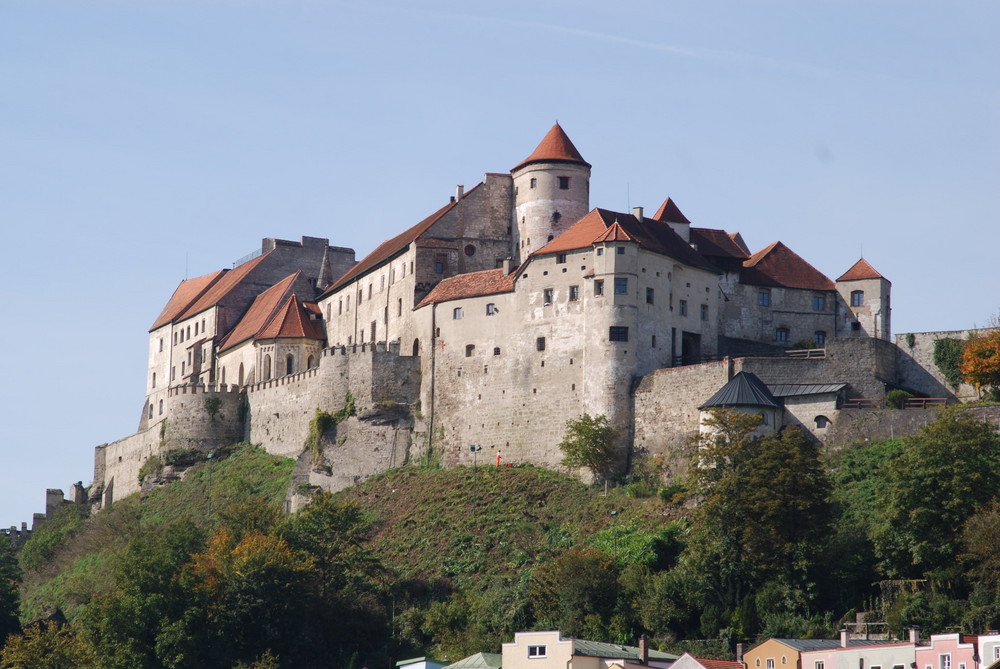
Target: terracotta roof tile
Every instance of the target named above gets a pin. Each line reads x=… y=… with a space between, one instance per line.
x=717 y=243
x=260 y=312
x=710 y=663
x=292 y=322
x=614 y=233
x=184 y=295
x=859 y=271
x=473 y=284
x=391 y=247
x=649 y=233
x=777 y=265
x=669 y=212
x=555 y=147
x=221 y=288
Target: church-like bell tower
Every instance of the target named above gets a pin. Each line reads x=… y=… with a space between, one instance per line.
x=551 y=192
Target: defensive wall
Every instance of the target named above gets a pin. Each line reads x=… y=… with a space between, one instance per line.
x=917 y=369
x=856 y=425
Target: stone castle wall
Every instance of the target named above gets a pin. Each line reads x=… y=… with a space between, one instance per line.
x=918 y=372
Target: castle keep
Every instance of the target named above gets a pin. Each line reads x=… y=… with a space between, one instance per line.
x=510 y=310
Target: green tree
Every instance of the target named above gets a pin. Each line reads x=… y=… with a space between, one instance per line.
x=10 y=575
x=589 y=442
x=577 y=593
x=47 y=646
x=945 y=474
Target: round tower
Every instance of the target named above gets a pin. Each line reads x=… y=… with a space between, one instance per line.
x=551 y=192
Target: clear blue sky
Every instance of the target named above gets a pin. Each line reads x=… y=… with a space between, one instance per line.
x=142 y=141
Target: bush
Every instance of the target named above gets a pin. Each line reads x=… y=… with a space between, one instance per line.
x=948 y=358
x=896 y=399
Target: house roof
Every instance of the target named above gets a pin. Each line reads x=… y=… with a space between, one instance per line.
x=669 y=212
x=223 y=286
x=184 y=295
x=798 y=389
x=777 y=265
x=649 y=233
x=555 y=147
x=260 y=312
x=473 y=284
x=859 y=271
x=391 y=247
x=718 y=243
x=292 y=322
x=809 y=644
x=710 y=663
x=743 y=390
x=615 y=651
x=478 y=661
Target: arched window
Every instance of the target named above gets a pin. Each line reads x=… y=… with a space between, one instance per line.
x=416 y=347
x=469 y=350
x=161 y=407
x=241 y=373
x=267 y=368
x=222 y=380
x=154 y=379
x=150 y=409
x=310 y=363
x=289 y=364
x=857 y=298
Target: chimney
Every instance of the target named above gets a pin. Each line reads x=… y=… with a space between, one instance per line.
x=644 y=649
x=508 y=266
x=739 y=652
x=844 y=637
x=915 y=635
x=459 y=192
x=637 y=212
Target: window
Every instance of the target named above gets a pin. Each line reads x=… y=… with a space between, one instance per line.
x=819 y=337
x=161 y=407
x=563 y=183
x=150 y=409
x=819 y=665
x=819 y=303
x=855 y=326
x=561 y=258
x=770 y=663
x=536 y=651
x=456 y=313
x=600 y=250
x=547 y=296
x=195 y=329
x=491 y=309
x=496 y=350
x=781 y=335
x=440 y=263
x=161 y=344
x=649 y=296
x=574 y=293
x=621 y=250
x=822 y=422
x=945 y=661
x=857 y=298
x=556 y=217
x=399 y=307
x=617 y=333
x=704 y=312
x=621 y=285
x=540 y=344
x=599 y=287
x=534 y=182
x=764 y=298
x=684 y=307
x=154 y=379
x=469 y=350
x=996 y=653
x=763 y=421
x=289 y=365
x=470 y=250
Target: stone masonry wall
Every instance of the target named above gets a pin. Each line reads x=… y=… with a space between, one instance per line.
x=918 y=372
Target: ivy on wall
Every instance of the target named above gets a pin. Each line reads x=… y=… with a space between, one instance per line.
x=948 y=358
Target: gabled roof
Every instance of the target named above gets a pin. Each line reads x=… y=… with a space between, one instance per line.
x=711 y=663
x=391 y=247
x=478 y=661
x=777 y=265
x=809 y=644
x=718 y=243
x=802 y=389
x=614 y=651
x=223 y=287
x=184 y=295
x=615 y=233
x=260 y=312
x=555 y=147
x=649 y=233
x=860 y=271
x=292 y=322
x=743 y=390
x=473 y=284
x=669 y=212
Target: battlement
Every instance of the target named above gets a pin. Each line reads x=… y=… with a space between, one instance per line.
x=202 y=388
x=368 y=347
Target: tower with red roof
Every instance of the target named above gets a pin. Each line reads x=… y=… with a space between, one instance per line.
x=866 y=294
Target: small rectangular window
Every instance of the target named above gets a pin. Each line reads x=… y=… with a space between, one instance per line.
x=600 y=250
x=469 y=350
x=574 y=293
x=945 y=661
x=536 y=651
x=819 y=665
x=621 y=250
x=457 y=313
x=649 y=296
x=561 y=258
x=819 y=303
x=491 y=309
x=764 y=298
x=820 y=338
x=704 y=312
x=617 y=333
x=599 y=287
x=563 y=183
x=534 y=182
x=857 y=298
x=540 y=344
x=683 y=304
x=440 y=263
x=621 y=285
x=496 y=350
x=547 y=295
x=781 y=335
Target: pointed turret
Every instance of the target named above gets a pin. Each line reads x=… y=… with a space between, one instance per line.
x=670 y=214
x=551 y=192
x=865 y=293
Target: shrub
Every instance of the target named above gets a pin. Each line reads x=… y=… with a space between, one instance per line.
x=152 y=465
x=948 y=358
x=896 y=399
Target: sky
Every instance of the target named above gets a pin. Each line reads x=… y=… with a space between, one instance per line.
x=145 y=141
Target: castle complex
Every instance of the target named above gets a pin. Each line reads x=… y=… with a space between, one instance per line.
x=510 y=310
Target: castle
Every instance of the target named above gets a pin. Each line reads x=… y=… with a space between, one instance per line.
x=510 y=310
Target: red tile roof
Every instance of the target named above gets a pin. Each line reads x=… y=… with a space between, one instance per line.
x=670 y=213
x=777 y=265
x=221 y=288
x=391 y=247
x=260 y=312
x=186 y=293
x=710 y=663
x=859 y=271
x=649 y=233
x=292 y=322
x=555 y=147
x=615 y=233
x=473 y=284
x=717 y=243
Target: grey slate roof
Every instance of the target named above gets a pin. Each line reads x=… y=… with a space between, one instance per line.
x=826 y=644
x=743 y=390
x=795 y=389
x=478 y=661
x=615 y=651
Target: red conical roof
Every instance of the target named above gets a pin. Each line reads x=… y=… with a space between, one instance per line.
x=555 y=147
x=669 y=212
x=859 y=271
